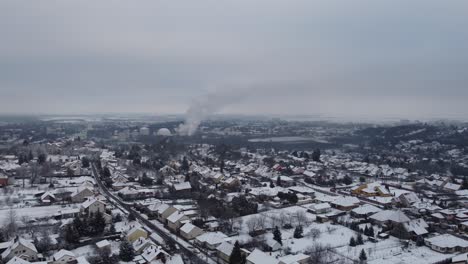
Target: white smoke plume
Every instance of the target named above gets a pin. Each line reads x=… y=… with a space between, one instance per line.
x=207 y=105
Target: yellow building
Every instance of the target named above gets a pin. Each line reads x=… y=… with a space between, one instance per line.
x=135 y=233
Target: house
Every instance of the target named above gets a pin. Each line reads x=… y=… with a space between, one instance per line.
x=190 y=231
x=389 y=216
x=416 y=227
x=408 y=199
x=371 y=189
x=451 y=187
x=447 y=243
x=92 y=206
x=82 y=260
x=175 y=259
x=21 y=248
x=321 y=208
x=47 y=198
x=459 y=259
x=231 y=182
x=135 y=233
x=174 y=221
x=63 y=256
x=3 y=179
x=210 y=240
x=81 y=194
x=103 y=245
x=163 y=211
x=260 y=257
x=294 y=259
x=182 y=187
x=154 y=253
x=302 y=190
x=141 y=244
x=346 y=203
x=224 y=251
x=273 y=245
x=365 y=211
x=16 y=260
x=286 y=181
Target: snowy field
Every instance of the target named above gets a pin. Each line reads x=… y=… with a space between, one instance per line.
x=30 y=212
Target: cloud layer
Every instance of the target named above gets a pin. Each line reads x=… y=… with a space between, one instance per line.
x=382 y=58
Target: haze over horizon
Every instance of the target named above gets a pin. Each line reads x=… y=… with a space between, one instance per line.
x=406 y=59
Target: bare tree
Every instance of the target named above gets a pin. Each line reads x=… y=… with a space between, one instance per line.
x=251 y=224
x=261 y=221
x=301 y=217
x=314 y=233
x=319 y=254
x=12 y=226
x=283 y=218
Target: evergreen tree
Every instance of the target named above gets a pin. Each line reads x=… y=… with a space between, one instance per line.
x=236 y=256
x=352 y=242
x=106 y=172
x=112 y=229
x=298 y=232
x=464 y=185
x=30 y=156
x=71 y=235
x=272 y=185
x=278 y=181
x=131 y=217
x=79 y=225
x=2 y=236
x=347 y=180
x=21 y=159
x=185 y=165
x=362 y=256
x=98 y=223
x=366 y=231
x=316 y=155
x=45 y=243
x=359 y=240
x=85 y=162
x=126 y=253
x=371 y=232
x=277 y=235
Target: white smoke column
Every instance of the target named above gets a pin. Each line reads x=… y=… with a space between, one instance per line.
x=207 y=105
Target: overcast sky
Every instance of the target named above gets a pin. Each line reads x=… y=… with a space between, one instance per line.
x=404 y=58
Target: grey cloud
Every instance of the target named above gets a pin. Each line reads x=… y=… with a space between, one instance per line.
x=330 y=56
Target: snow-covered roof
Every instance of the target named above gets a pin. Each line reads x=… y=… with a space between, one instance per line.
x=396 y=216
x=89 y=202
x=418 y=226
x=187 y=228
x=61 y=253
x=176 y=216
x=225 y=248
x=212 y=238
x=16 y=260
x=320 y=206
x=82 y=260
x=176 y=259
x=291 y=259
x=16 y=242
x=182 y=186
x=152 y=252
x=260 y=257
x=346 y=201
x=447 y=241
x=103 y=243
x=366 y=209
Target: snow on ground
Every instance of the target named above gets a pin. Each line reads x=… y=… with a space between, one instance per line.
x=30 y=212
x=391 y=251
x=330 y=235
